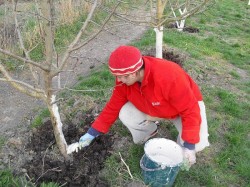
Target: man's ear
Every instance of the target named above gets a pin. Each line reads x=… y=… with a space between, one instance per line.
x=134 y=74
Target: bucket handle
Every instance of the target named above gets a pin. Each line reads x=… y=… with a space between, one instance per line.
x=148 y=169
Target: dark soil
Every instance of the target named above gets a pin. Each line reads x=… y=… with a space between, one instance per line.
x=46 y=165
x=191 y=29
x=188 y=29
x=169 y=55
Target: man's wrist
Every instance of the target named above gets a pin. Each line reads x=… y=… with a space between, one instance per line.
x=93 y=132
x=189 y=146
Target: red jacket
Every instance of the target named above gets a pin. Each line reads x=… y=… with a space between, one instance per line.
x=166 y=91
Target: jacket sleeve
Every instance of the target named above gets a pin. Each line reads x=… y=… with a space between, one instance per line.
x=111 y=111
x=182 y=98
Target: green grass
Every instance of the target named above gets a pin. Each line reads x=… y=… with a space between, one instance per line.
x=234 y=74
x=38 y=120
x=223 y=32
x=7 y=179
x=115 y=169
x=98 y=84
x=229 y=104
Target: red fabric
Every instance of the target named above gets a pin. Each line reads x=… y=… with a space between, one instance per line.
x=166 y=92
x=125 y=60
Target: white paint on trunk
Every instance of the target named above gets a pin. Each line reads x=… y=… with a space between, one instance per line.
x=58 y=119
x=180 y=24
x=159 y=41
x=72 y=147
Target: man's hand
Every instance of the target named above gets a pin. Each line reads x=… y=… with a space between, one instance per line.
x=189 y=155
x=85 y=140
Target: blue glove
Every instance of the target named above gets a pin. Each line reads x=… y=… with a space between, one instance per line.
x=85 y=140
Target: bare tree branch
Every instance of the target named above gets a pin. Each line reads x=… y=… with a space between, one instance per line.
x=99 y=90
x=103 y=25
x=26 y=53
x=185 y=15
x=72 y=46
x=20 y=85
x=10 y=54
x=76 y=40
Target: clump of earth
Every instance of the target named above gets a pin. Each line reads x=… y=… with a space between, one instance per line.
x=188 y=29
x=44 y=163
x=48 y=166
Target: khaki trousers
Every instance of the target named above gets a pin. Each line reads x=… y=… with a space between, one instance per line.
x=141 y=126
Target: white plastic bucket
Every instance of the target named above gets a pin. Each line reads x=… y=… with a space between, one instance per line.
x=161 y=162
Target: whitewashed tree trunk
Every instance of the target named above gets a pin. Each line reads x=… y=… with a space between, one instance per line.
x=159 y=41
x=180 y=24
x=57 y=127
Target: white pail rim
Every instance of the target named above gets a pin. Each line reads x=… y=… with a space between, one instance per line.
x=164 y=152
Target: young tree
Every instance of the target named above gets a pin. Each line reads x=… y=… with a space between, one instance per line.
x=43 y=72
x=163 y=12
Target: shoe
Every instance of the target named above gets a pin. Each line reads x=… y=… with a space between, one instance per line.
x=151 y=135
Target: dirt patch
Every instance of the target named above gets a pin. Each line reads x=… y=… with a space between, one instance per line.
x=188 y=29
x=47 y=165
x=168 y=54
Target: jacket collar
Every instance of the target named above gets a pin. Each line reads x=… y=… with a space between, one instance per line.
x=147 y=69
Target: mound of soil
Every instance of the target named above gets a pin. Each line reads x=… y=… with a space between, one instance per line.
x=188 y=29
x=170 y=55
x=48 y=165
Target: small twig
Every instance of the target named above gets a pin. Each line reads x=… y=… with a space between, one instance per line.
x=63 y=184
x=45 y=154
x=87 y=90
x=56 y=101
x=128 y=170
x=28 y=176
x=53 y=169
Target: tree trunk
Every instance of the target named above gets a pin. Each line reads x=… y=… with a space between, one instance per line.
x=159 y=41
x=46 y=7
x=159 y=29
x=47 y=11
x=57 y=127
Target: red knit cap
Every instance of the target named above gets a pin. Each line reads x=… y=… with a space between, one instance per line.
x=125 y=60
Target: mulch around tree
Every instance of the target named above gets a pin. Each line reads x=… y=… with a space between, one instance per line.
x=48 y=165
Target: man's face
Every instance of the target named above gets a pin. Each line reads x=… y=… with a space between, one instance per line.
x=128 y=79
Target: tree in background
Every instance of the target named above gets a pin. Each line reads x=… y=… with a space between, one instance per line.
x=163 y=12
